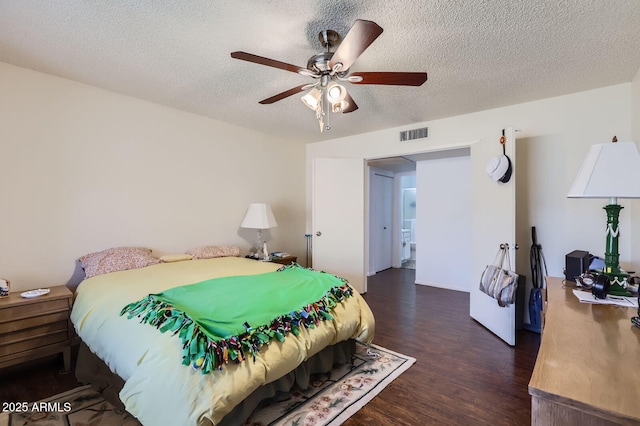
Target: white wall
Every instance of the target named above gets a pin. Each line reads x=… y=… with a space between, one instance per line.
x=634 y=205
x=443 y=226
x=86 y=169
x=554 y=137
x=635 y=107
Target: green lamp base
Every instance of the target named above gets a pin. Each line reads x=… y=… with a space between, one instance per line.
x=615 y=288
x=618 y=290
x=617 y=277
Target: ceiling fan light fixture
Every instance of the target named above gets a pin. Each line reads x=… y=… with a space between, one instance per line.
x=336 y=92
x=331 y=66
x=308 y=73
x=312 y=99
x=339 y=106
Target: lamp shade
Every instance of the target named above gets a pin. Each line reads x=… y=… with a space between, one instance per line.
x=259 y=216
x=335 y=92
x=610 y=170
x=312 y=99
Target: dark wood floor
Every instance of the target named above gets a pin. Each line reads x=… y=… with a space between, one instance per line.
x=463 y=374
x=35 y=380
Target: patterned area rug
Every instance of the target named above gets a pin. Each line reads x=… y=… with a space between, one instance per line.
x=330 y=400
x=82 y=406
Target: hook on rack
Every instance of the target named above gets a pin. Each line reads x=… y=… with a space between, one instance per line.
x=506 y=246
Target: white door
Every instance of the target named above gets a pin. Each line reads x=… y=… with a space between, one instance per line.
x=493 y=222
x=338 y=218
x=381 y=243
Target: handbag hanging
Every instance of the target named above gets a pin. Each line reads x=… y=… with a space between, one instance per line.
x=498 y=280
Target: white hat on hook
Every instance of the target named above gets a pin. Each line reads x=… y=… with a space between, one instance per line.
x=499 y=168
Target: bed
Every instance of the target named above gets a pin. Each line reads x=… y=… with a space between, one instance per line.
x=157 y=388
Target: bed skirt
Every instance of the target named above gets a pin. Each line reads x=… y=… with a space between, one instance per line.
x=92 y=370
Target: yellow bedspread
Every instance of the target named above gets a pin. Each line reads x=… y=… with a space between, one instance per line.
x=158 y=389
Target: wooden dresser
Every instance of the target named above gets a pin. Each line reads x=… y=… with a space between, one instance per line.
x=588 y=366
x=31 y=328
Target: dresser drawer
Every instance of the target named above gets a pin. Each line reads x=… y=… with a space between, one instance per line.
x=18 y=312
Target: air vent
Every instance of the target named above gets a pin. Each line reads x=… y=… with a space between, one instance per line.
x=409 y=135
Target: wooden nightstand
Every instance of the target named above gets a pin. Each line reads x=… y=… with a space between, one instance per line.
x=286 y=260
x=32 y=328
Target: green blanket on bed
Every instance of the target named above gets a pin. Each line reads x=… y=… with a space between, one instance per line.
x=225 y=318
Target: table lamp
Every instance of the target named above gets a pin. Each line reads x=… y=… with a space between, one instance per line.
x=259 y=216
x=610 y=170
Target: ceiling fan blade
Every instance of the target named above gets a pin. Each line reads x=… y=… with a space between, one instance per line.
x=393 y=78
x=285 y=94
x=249 y=57
x=352 y=104
x=359 y=37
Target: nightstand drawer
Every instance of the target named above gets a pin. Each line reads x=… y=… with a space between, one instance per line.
x=33 y=338
x=14 y=313
x=286 y=260
x=21 y=324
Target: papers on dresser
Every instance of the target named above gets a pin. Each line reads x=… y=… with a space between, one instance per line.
x=588 y=297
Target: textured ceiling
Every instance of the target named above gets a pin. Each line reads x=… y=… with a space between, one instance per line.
x=478 y=54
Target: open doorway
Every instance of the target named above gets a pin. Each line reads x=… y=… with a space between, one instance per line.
x=431 y=193
x=408 y=218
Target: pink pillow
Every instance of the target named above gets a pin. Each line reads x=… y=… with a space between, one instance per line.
x=208 y=252
x=116 y=259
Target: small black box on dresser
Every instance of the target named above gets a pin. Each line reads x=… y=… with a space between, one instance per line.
x=576 y=263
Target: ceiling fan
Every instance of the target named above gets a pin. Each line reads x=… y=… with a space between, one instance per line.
x=330 y=68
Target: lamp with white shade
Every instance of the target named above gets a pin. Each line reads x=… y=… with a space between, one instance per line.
x=612 y=171
x=259 y=216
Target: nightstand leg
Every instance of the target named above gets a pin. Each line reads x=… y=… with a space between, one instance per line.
x=66 y=355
